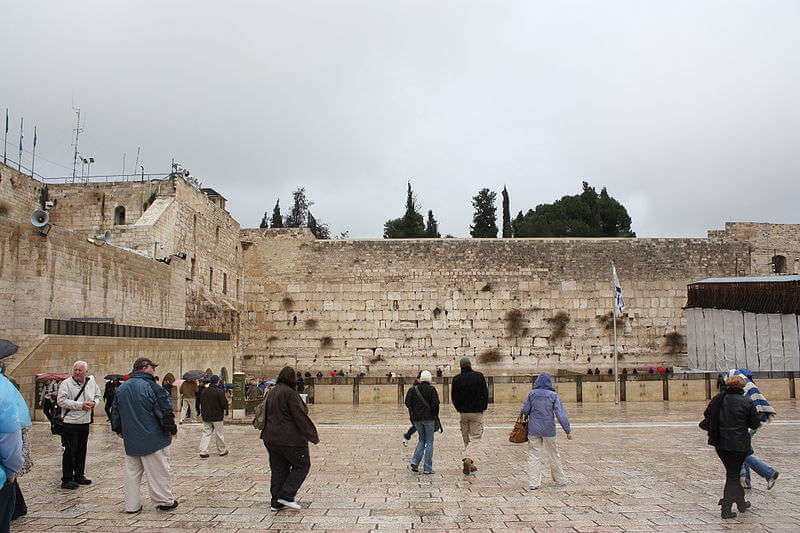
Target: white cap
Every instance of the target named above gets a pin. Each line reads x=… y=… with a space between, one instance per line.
x=425 y=376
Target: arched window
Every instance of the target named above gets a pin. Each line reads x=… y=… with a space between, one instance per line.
x=779 y=264
x=223 y=374
x=119 y=215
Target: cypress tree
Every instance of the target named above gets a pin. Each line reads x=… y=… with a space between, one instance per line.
x=297 y=217
x=264 y=221
x=277 y=219
x=507 y=229
x=410 y=226
x=485 y=217
x=432 y=228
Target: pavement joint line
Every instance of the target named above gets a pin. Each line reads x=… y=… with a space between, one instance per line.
x=620 y=425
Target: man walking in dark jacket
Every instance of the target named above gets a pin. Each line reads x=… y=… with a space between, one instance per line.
x=213 y=404
x=470 y=397
x=142 y=415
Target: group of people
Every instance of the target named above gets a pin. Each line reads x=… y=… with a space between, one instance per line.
x=470 y=397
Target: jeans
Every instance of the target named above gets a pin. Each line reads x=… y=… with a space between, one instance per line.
x=426 y=429
x=407 y=435
x=761 y=468
x=733 y=491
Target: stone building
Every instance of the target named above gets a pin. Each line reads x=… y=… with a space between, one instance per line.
x=178 y=260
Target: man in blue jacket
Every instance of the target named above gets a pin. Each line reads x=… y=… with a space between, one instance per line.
x=142 y=415
x=541 y=405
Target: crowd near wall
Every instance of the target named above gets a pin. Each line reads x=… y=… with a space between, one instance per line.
x=377 y=306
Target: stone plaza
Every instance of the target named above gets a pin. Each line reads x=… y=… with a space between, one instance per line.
x=633 y=467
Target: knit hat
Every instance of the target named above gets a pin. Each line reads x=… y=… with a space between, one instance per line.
x=214 y=379
x=425 y=376
x=465 y=362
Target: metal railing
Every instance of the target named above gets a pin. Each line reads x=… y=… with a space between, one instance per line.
x=54 y=326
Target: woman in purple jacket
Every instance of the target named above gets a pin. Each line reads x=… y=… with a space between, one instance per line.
x=541 y=405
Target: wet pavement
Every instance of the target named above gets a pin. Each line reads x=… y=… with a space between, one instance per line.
x=633 y=467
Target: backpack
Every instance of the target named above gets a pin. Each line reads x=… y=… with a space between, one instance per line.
x=259 y=421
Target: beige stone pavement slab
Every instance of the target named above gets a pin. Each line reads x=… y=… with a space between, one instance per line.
x=638 y=467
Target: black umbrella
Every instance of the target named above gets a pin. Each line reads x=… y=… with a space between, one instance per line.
x=7 y=348
x=114 y=376
x=194 y=374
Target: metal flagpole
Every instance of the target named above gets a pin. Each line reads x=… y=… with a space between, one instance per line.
x=5 y=139
x=616 y=375
x=33 y=157
x=19 y=163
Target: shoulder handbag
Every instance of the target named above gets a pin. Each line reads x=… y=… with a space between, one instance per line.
x=519 y=433
x=438 y=423
x=260 y=420
x=57 y=422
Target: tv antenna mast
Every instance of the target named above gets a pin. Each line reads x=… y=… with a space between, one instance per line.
x=78 y=131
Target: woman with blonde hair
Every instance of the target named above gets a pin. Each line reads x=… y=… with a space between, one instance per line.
x=727 y=420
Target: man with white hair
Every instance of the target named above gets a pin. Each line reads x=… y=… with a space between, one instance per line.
x=77 y=396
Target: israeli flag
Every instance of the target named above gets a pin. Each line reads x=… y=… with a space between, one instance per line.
x=619 y=301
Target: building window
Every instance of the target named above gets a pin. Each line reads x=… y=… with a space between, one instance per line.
x=210 y=279
x=217 y=235
x=194 y=262
x=237 y=288
x=224 y=283
x=119 y=215
x=779 y=264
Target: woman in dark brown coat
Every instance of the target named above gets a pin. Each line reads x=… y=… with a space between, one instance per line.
x=727 y=419
x=286 y=434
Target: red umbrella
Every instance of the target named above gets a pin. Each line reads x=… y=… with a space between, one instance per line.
x=52 y=375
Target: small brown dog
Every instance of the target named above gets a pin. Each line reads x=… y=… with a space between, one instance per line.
x=469 y=466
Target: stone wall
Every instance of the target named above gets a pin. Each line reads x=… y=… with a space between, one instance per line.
x=115 y=355
x=19 y=194
x=765 y=241
x=402 y=305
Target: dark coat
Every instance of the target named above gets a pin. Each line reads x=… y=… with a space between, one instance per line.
x=213 y=404
x=416 y=408
x=286 y=421
x=142 y=414
x=469 y=392
x=727 y=419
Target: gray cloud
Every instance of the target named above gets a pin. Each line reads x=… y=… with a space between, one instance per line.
x=686 y=111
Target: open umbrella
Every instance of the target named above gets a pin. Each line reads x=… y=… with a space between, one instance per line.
x=194 y=374
x=51 y=375
x=177 y=383
x=113 y=376
x=7 y=348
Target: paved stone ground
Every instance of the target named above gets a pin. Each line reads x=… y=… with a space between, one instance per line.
x=635 y=467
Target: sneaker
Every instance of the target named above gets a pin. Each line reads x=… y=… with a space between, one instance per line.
x=429 y=473
x=71 y=485
x=203 y=456
x=771 y=481
x=223 y=454
x=275 y=507
x=405 y=441
x=83 y=481
x=413 y=467
x=291 y=504
x=562 y=484
x=533 y=487
x=169 y=507
x=139 y=510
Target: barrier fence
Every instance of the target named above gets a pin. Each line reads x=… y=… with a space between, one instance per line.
x=106 y=329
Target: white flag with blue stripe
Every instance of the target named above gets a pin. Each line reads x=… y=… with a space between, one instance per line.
x=619 y=301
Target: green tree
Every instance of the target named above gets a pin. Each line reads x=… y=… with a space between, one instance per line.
x=410 y=226
x=264 y=221
x=277 y=219
x=319 y=229
x=484 y=220
x=507 y=229
x=297 y=217
x=432 y=227
x=587 y=214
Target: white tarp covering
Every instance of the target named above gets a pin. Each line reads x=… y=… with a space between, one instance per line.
x=723 y=339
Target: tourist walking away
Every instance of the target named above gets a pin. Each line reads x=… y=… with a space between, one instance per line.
x=77 y=396
x=286 y=434
x=412 y=429
x=541 y=406
x=470 y=397
x=213 y=405
x=108 y=396
x=14 y=417
x=727 y=420
x=142 y=415
x=423 y=408
x=766 y=412
x=188 y=392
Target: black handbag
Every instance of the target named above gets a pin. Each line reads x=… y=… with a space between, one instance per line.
x=57 y=422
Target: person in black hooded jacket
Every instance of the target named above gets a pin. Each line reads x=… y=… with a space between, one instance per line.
x=422 y=401
x=727 y=419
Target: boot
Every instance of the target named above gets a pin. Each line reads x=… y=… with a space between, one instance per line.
x=468 y=466
x=726 y=509
x=742 y=506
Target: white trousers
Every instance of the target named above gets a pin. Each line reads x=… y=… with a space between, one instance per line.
x=212 y=429
x=543 y=448
x=156 y=466
x=185 y=402
x=471 y=432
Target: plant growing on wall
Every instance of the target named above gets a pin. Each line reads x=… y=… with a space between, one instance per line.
x=607 y=321
x=311 y=323
x=326 y=342
x=491 y=355
x=674 y=343
x=514 y=324
x=559 y=324
x=287 y=303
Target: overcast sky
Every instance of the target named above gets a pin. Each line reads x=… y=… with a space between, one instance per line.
x=687 y=111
